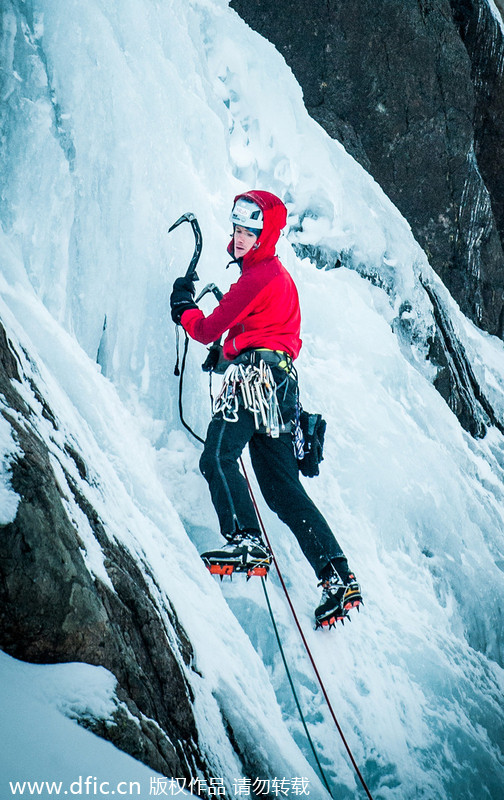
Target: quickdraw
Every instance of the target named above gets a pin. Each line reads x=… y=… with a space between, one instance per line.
x=254 y=387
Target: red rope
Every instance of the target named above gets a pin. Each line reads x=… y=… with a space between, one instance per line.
x=305 y=643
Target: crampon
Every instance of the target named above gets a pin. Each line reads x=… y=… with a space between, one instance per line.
x=341 y=615
x=338 y=601
x=245 y=552
x=228 y=570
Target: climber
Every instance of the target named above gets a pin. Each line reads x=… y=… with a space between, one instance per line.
x=258 y=406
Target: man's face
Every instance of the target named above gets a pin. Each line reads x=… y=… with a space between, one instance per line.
x=243 y=239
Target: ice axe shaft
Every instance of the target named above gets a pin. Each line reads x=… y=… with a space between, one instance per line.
x=198 y=243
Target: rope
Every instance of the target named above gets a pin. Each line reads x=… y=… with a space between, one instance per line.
x=293 y=690
x=181 y=383
x=303 y=638
x=289 y=601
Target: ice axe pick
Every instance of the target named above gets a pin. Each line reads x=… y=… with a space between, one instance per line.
x=198 y=243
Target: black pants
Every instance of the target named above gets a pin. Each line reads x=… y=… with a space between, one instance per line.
x=277 y=473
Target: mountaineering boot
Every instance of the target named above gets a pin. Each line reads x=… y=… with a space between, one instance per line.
x=245 y=551
x=340 y=593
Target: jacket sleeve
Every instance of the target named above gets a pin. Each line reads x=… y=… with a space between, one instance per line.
x=235 y=305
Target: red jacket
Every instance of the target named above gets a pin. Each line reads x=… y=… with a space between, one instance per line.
x=262 y=308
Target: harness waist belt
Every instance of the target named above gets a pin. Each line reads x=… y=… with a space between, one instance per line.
x=276 y=358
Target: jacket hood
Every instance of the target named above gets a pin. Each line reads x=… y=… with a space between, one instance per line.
x=275 y=219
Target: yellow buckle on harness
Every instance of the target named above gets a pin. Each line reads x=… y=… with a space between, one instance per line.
x=285 y=363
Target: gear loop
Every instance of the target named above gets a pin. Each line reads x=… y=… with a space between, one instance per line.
x=254 y=386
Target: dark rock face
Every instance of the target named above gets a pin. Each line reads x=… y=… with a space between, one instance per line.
x=455 y=380
x=52 y=609
x=483 y=38
x=414 y=90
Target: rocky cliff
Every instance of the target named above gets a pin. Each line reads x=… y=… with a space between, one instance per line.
x=414 y=90
x=53 y=610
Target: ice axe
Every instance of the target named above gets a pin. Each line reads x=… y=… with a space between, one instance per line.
x=215 y=349
x=214 y=357
x=198 y=243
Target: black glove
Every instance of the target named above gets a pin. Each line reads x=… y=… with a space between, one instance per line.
x=181 y=298
x=215 y=361
x=314 y=428
x=212 y=359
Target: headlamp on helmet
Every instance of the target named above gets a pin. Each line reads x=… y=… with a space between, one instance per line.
x=248 y=215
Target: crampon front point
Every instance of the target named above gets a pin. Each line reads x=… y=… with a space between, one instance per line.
x=341 y=615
